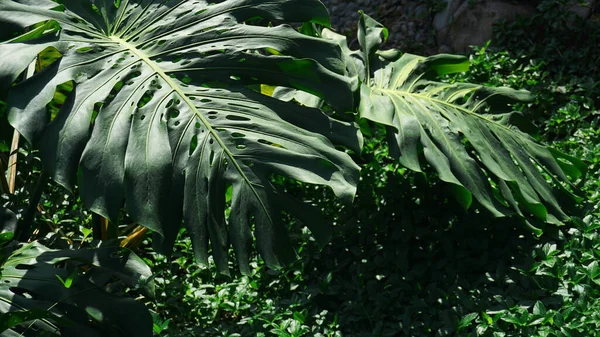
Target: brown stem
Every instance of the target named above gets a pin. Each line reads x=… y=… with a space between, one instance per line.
x=3 y=182
x=14 y=146
x=12 y=162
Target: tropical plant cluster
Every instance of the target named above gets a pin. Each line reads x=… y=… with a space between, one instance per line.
x=235 y=169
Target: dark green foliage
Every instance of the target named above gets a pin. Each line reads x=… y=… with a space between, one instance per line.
x=429 y=269
x=467 y=132
x=405 y=259
x=72 y=292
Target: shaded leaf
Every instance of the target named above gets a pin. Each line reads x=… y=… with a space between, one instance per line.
x=49 y=289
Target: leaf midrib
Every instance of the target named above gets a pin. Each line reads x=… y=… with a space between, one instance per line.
x=396 y=92
x=448 y=142
x=204 y=121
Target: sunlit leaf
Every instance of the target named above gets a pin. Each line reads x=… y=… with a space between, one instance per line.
x=467 y=133
x=166 y=114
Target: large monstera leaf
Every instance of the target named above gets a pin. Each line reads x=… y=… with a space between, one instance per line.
x=164 y=113
x=72 y=292
x=466 y=132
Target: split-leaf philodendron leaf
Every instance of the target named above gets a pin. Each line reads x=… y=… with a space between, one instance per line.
x=72 y=292
x=467 y=133
x=165 y=118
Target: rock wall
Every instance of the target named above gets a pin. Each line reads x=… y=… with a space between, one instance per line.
x=408 y=21
x=433 y=26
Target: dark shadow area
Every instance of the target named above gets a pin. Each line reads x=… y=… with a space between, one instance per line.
x=406 y=260
x=410 y=264
x=45 y=292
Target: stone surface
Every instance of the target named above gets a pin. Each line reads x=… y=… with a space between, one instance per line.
x=408 y=22
x=473 y=24
x=583 y=10
x=443 y=18
x=427 y=27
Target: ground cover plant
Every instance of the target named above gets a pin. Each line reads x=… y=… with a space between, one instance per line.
x=403 y=259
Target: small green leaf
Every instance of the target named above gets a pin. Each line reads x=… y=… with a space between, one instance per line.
x=536 y=321
x=69 y=280
x=539 y=309
x=510 y=318
x=298 y=316
x=95 y=313
x=593 y=270
x=481 y=329
x=6 y=237
x=549 y=250
x=85 y=231
x=466 y=320
x=487 y=318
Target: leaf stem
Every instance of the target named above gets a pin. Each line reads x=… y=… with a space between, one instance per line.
x=25 y=224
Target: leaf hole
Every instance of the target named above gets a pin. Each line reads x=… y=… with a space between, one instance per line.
x=266 y=142
x=237 y=118
x=146 y=98
x=193 y=144
x=20 y=291
x=21 y=266
x=84 y=50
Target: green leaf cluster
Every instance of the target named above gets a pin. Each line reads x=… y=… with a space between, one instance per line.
x=72 y=292
x=163 y=119
x=155 y=107
x=159 y=108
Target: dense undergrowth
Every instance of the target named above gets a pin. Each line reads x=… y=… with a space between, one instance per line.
x=404 y=260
